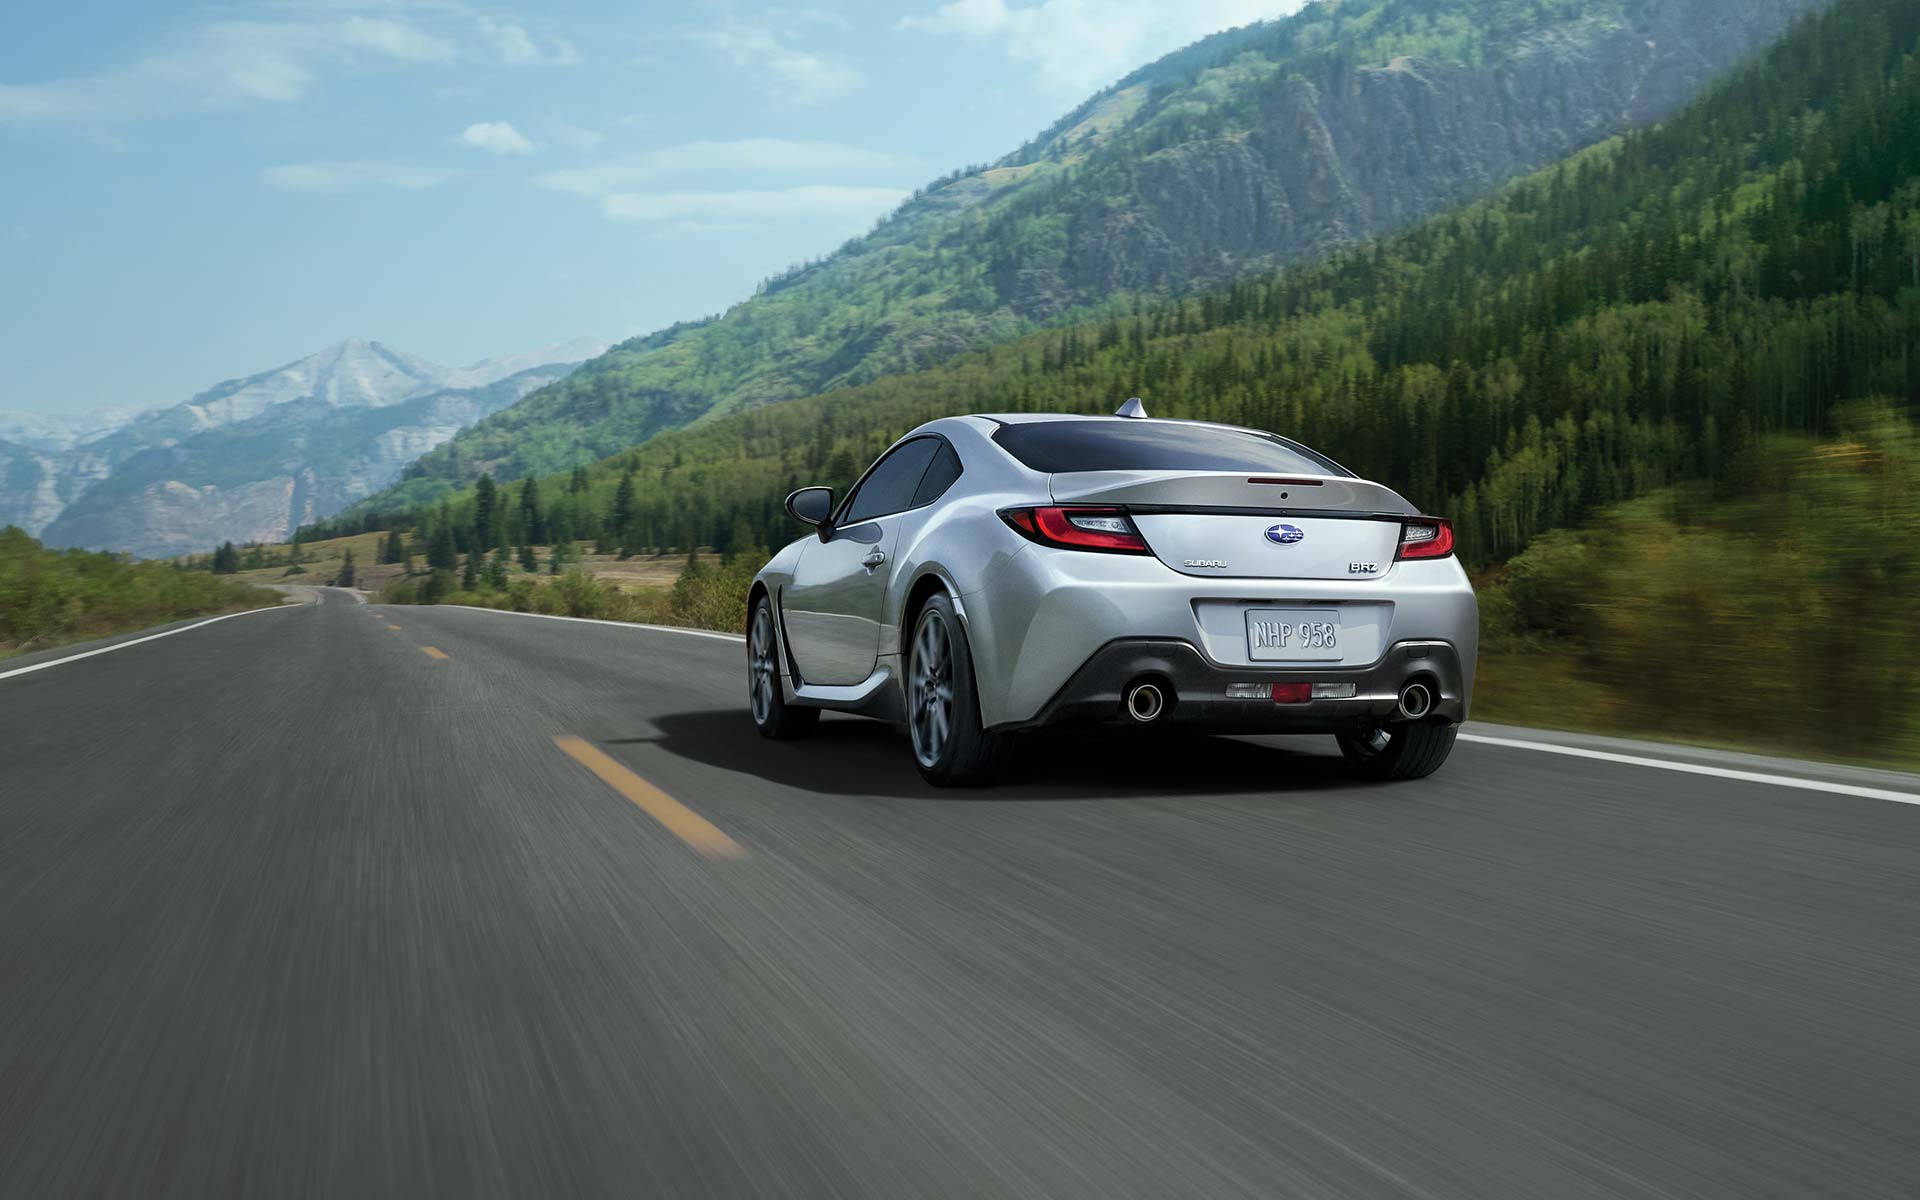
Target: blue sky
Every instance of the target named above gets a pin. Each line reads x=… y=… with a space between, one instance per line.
x=198 y=192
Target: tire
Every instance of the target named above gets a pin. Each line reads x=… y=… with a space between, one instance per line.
x=1409 y=751
x=943 y=704
x=767 y=702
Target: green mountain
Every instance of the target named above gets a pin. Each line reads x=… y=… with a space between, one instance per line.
x=1250 y=149
x=1644 y=312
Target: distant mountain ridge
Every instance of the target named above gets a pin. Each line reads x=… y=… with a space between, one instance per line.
x=252 y=458
x=61 y=431
x=1250 y=149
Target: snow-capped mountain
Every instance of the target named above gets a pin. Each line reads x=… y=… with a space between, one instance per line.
x=254 y=457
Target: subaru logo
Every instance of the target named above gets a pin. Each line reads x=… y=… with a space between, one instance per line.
x=1285 y=535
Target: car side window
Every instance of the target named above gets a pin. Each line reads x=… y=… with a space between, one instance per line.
x=941 y=474
x=889 y=487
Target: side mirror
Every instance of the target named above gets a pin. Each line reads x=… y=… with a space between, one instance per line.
x=813 y=506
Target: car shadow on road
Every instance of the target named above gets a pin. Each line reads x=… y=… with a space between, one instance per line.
x=856 y=757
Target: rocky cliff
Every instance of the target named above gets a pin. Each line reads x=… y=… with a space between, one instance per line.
x=1351 y=151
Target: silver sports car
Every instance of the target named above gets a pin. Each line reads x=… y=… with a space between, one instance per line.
x=994 y=575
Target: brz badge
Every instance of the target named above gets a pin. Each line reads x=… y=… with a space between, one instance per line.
x=1213 y=564
x=1285 y=535
x=1362 y=568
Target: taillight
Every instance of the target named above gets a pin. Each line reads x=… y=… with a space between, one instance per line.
x=1104 y=529
x=1426 y=537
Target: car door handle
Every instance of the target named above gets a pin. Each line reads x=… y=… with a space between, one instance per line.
x=873 y=560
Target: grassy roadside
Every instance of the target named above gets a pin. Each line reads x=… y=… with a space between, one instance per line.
x=54 y=597
x=698 y=591
x=1552 y=690
x=1771 y=612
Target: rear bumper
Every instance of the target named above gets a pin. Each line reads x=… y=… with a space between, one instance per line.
x=1094 y=694
x=1048 y=613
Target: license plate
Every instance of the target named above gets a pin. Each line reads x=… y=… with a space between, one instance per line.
x=1293 y=634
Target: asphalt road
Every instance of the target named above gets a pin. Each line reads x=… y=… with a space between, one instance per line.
x=291 y=906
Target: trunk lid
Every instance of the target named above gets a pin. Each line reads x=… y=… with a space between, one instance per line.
x=1227 y=524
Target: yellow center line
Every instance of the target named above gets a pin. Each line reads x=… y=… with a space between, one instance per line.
x=432 y=652
x=685 y=824
x=395 y=628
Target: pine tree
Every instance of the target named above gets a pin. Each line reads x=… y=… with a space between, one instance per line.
x=621 y=519
x=470 y=574
x=442 y=555
x=528 y=561
x=497 y=571
x=532 y=517
x=226 y=560
x=346 y=576
x=487 y=524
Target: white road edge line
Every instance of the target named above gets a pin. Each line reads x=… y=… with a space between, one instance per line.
x=508 y=612
x=1666 y=764
x=136 y=641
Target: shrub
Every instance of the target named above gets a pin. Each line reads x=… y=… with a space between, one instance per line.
x=51 y=596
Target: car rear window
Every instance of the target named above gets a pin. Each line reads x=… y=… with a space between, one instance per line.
x=1054 y=446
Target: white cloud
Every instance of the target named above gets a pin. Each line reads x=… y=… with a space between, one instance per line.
x=1078 y=46
x=976 y=17
x=495 y=137
x=352 y=176
x=746 y=154
x=573 y=137
x=519 y=48
x=396 y=39
x=792 y=73
x=274 y=52
x=845 y=204
x=697 y=227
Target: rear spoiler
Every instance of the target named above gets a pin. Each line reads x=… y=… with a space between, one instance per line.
x=1193 y=491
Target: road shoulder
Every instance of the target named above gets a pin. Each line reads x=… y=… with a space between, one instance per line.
x=94 y=645
x=1701 y=756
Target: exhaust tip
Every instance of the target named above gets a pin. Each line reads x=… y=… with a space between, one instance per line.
x=1146 y=702
x=1416 y=701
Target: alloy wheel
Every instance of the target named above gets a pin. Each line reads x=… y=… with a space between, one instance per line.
x=930 y=688
x=760 y=666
